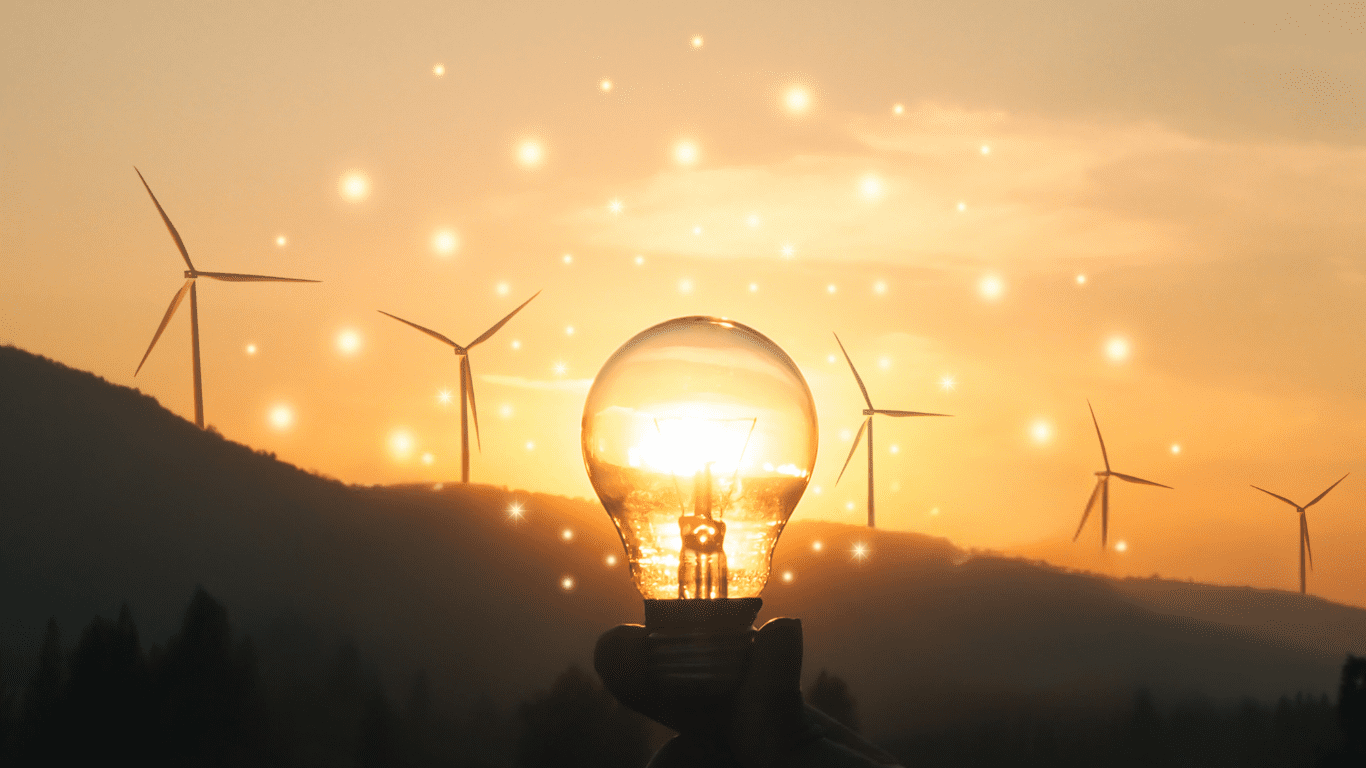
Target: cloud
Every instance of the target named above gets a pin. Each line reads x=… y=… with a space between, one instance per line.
x=521 y=382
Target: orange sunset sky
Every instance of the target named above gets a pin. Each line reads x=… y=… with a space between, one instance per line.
x=1002 y=208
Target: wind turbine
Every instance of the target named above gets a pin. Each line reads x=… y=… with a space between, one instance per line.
x=867 y=425
x=466 y=381
x=1103 y=487
x=191 y=275
x=1304 y=525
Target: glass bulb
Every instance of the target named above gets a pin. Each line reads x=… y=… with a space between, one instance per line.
x=699 y=435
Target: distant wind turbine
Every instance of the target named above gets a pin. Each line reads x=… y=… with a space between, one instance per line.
x=191 y=275
x=1103 y=487
x=466 y=382
x=867 y=425
x=1304 y=525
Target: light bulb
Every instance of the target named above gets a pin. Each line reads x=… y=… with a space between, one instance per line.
x=699 y=435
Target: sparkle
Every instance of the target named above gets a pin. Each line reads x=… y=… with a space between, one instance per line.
x=831 y=288
x=1121 y=546
x=1117 y=349
x=427 y=459
x=991 y=287
x=753 y=287
x=1175 y=449
x=752 y=220
x=568 y=258
x=560 y=369
x=894 y=449
x=439 y=70
x=348 y=342
x=444 y=397
x=530 y=153
x=281 y=417
x=830 y=359
x=530 y=445
x=898 y=109
x=685 y=153
x=986 y=150
x=871 y=187
x=354 y=186
x=515 y=510
x=947 y=384
x=502 y=289
x=567 y=583
x=697 y=230
x=1041 y=431
x=445 y=242
x=697 y=41
x=880 y=287
x=884 y=362
x=788 y=250
x=251 y=349
x=860 y=551
x=787 y=577
x=611 y=560
x=816 y=489
x=605 y=85
x=1081 y=279
x=281 y=241
x=817 y=545
x=614 y=206
x=516 y=344
x=569 y=330
x=401 y=443
x=797 y=99
x=567 y=534
x=849 y=505
x=685 y=286
x=640 y=261
x=962 y=206
x=505 y=410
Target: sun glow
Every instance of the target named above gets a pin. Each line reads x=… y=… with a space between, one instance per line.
x=682 y=446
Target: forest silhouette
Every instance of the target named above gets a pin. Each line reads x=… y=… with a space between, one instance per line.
x=371 y=609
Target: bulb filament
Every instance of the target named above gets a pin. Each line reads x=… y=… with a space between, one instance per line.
x=702 y=559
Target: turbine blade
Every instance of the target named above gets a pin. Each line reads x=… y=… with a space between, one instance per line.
x=1089 y=504
x=1104 y=510
x=1325 y=493
x=427 y=331
x=857 y=378
x=469 y=387
x=900 y=414
x=486 y=334
x=235 y=278
x=170 y=311
x=853 y=448
x=1277 y=495
x=1103 y=454
x=184 y=254
x=1140 y=480
x=1304 y=531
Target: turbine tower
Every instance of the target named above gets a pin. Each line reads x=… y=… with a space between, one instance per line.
x=191 y=275
x=1103 y=487
x=467 y=406
x=1304 y=525
x=867 y=425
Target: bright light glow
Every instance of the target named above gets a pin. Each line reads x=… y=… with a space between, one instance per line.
x=682 y=446
x=894 y=448
x=817 y=546
x=569 y=330
x=986 y=150
x=991 y=287
x=860 y=551
x=640 y=261
x=831 y=288
x=568 y=258
x=567 y=534
x=1081 y=279
x=1175 y=449
x=515 y=510
x=444 y=397
x=830 y=359
x=530 y=445
x=697 y=41
x=1041 y=431
x=797 y=99
x=816 y=489
x=880 y=287
x=962 y=206
x=614 y=206
x=685 y=153
x=884 y=362
x=516 y=344
x=444 y=242
x=251 y=349
x=439 y=70
x=788 y=250
x=898 y=109
x=871 y=187
x=502 y=289
x=560 y=368
x=427 y=459
x=605 y=85
x=1121 y=546
x=1117 y=349
x=354 y=186
x=281 y=241
x=401 y=443
x=281 y=417
x=348 y=342
x=947 y=384
x=685 y=286
x=505 y=410
x=849 y=505
x=752 y=220
x=611 y=560
x=787 y=577
x=753 y=287
x=567 y=583
x=697 y=230
x=530 y=154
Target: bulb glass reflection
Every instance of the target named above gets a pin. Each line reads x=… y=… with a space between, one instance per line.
x=699 y=436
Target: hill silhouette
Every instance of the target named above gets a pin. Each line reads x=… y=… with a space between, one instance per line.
x=106 y=497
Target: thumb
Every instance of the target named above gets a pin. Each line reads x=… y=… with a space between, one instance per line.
x=769 y=718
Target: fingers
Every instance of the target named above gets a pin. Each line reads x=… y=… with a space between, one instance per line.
x=775 y=662
x=769 y=722
x=621 y=660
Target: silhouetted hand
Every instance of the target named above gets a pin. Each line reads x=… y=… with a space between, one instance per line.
x=766 y=724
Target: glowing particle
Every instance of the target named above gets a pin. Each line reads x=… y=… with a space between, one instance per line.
x=530 y=445
x=1081 y=279
x=934 y=512
x=445 y=242
x=439 y=70
x=697 y=230
x=251 y=349
x=986 y=150
x=752 y=220
x=753 y=287
x=569 y=330
x=898 y=109
x=401 y=443
x=991 y=287
x=281 y=417
x=860 y=552
x=605 y=85
x=568 y=258
x=896 y=485
x=788 y=250
x=560 y=369
x=849 y=505
x=567 y=583
x=962 y=206
x=281 y=241
x=845 y=434
x=444 y=397
x=817 y=546
x=1175 y=449
x=894 y=449
x=505 y=410
x=516 y=344
x=816 y=489
x=640 y=261
x=787 y=577
x=947 y=384
x=797 y=100
x=354 y=186
x=830 y=359
x=530 y=154
x=1041 y=431
x=502 y=289
x=348 y=342
x=567 y=534
x=611 y=560
x=884 y=362
x=697 y=41
x=685 y=153
x=1117 y=349
x=685 y=286
x=427 y=459
x=831 y=288
x=438 y=486
x=1121 y=546
x=515 y=510
x=871 y=187
x=880 y=287
x=614 y=206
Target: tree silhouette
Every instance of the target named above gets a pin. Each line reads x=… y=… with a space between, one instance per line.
x=830 y=695
x=42 y=698
x=106 y=699
x=1352 y=709
x=578 y=723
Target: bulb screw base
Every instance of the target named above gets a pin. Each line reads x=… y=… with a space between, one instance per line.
x=699 y=648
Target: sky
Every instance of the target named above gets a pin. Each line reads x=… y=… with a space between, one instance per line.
x=1004 y=210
